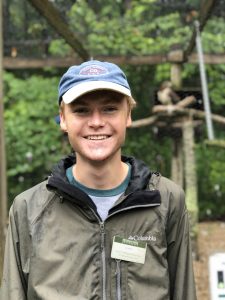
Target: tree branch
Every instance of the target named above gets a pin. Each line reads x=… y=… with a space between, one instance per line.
x=217 y=143
x=144 y=122
x=52 y=15
x=173 y=110
x=205 y=12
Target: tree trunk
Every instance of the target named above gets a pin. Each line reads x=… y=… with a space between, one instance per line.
x=190 y=178
x=177 y=159
x=177 y=162
x=175 y=75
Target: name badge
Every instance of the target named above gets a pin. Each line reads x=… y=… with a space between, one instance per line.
x=123 y=249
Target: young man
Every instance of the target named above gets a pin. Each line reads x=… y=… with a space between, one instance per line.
x=103 y=226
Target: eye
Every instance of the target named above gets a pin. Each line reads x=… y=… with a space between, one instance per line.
x=110 y=108
x=80 y=110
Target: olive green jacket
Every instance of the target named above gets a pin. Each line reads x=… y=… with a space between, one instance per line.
x=58 y=248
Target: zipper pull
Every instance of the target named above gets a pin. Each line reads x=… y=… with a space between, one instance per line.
x=61 y=200
x=102 y=229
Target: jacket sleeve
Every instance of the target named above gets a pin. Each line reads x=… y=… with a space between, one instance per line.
x=182 y=284
x=14 y=278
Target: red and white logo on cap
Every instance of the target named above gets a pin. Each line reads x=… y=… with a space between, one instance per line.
x=93 y=70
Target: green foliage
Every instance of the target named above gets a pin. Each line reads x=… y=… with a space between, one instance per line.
x=33 y=140
x=110 y=30
x=143 y=83
x=213 y=36
x=216 y=78
x=211 y=170
x=163 y=72
x=146 y=144
x=58 y=47
x=135 y=27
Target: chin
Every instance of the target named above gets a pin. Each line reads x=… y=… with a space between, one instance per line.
x=101 y=157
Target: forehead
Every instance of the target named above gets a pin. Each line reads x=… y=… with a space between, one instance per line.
x=100 y=96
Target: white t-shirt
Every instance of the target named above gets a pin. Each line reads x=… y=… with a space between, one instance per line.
x=103 y=199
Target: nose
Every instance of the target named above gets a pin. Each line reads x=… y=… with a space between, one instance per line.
x=96 y=119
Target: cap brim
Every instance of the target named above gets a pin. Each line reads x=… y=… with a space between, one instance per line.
x=85 y=87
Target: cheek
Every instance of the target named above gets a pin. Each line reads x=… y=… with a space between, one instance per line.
x=127 y=121
x=74 y=127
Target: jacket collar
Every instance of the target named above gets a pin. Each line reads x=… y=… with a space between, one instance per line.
x=136 y=195
x=140 y=174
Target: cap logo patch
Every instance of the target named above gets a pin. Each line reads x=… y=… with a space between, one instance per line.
x=93 y=70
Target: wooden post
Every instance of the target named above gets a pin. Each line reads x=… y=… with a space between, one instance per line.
x=177 y=172
x=175 y=75
x=190 y=178
x=177 y=155
x=189 y=171
x=3 y=193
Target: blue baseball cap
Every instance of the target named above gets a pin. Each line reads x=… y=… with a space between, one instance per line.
x=91 y=76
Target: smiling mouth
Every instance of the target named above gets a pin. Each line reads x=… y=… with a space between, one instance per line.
x=97 y=137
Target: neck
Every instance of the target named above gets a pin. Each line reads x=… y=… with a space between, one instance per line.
x=100 y=175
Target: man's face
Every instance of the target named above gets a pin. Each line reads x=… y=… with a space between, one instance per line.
x=96 y=125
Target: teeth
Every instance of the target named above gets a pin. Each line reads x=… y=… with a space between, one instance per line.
x=97 y=137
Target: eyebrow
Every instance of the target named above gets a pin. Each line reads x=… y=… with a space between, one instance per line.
x=103 y=101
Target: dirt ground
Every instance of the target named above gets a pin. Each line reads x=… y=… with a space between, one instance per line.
x=211 y=239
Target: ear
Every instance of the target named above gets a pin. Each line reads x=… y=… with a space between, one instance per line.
x=63 y=122
x=129 y=120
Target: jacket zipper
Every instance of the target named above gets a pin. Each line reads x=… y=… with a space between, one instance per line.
x=102 y=228
x=103 y=256
x=118 y=280
x=102 y=233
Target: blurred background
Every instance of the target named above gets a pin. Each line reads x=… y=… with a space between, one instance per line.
x=154 y=42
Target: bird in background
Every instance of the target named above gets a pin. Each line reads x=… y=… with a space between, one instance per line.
x=166 y=95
